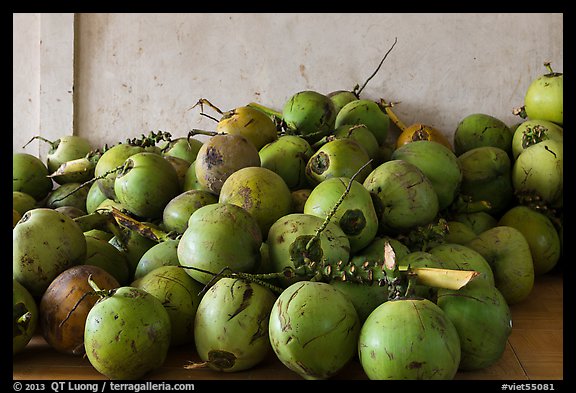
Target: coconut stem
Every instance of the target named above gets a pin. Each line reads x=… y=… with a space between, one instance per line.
x=399 y=281
x=226 y=272
x=196 y=131
x=275 y=115
x=520 y=111
x=91 y=221
x=203 y=101
x=410 y=288
x=79 y=165
x=395 y=119
x=89 y=182
x=269 y=111
x=51 y=143
x=195 y=365
x=141 y=228
x=100 y=219
x=330 y=214
x=357 y=92
x=97 y=292
x=260 y=280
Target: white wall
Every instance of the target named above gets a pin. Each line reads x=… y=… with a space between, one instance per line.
x=43 y=79
x=25 y=79
x=140 y=72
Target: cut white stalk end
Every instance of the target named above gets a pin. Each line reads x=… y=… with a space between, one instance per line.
x=441 y=278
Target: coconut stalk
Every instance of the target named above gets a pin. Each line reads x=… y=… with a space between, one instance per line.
x=141 y=228
x=100 y=219
x=398 y=279
x=78 y=166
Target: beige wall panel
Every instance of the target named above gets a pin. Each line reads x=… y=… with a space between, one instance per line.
x=43 y=70
x=25 y=81
x=141 y=72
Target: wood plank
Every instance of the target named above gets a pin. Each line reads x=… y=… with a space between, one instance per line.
x=540 y=352
x=508 y=367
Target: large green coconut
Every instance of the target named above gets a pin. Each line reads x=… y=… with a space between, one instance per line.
x=309 y=114
x=540 y=233
x=355 y=215
x=314 y=329
x=146 y=183
x=480 y=129
x=127 y=334
x=292 y=242
x=30 y=175
x=507 y=251
x=45 y=243
x=409 y=338
x=404 y=197
x=288 y=156
x=231 y=325
x=220 y=235
x=261 y=192
x=338 y=158
x=438 y=163
x=25 y=317
x=483 y=321
x=487 y=177
x=368 y=113
x=249 y=122
x=219 y=157
x=538 y=173
x=111 y=159
x=180 y=296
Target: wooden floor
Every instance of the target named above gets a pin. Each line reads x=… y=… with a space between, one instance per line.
x=534 y=351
